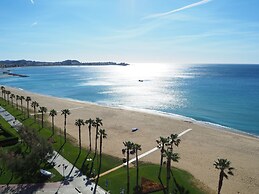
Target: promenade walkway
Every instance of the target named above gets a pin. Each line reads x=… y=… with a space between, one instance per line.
x=74 y=183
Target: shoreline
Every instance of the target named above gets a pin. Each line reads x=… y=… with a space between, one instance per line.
x=198 y=149
x=183 y=118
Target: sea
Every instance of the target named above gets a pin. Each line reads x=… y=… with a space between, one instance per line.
x=225 y=95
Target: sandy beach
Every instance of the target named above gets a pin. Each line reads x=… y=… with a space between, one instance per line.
x=198 y=149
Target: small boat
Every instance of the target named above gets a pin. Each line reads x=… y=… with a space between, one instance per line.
x=134 y=129
x=140 y=80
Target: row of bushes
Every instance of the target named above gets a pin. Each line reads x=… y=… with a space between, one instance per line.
x=9 y=141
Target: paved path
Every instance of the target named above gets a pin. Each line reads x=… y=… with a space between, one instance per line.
x=73 y=177
x=75 y=182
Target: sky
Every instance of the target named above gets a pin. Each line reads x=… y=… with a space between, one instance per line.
x=133 y=31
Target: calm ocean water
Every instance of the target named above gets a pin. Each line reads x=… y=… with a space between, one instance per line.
x=226 y=95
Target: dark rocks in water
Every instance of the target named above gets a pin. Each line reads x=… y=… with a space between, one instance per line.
x=14 y=74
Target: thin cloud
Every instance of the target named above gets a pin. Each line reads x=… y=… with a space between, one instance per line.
x=34 y=24
x=32 y=1
x=177 y=10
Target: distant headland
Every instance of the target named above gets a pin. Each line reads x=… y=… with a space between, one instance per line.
x=27 y=63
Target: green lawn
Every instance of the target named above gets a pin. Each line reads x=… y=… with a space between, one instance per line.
x=117 y=179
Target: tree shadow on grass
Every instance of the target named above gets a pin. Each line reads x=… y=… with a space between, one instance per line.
x=51 y=136
x=10 y=179
x=58 y=152
x=74 y=164
x=84 y=168
x=179 y=189
x=91 y=173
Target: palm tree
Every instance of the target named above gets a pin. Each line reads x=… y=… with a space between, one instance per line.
x=21 y=99
x=128 y=149
x=222 y=165
x=170 y=156
x=34 y=104
x=8 y=94
x=12 y=96
x=3 y=89
x=65 y=112
x=102 y=136
x=28 y=99
x=174 y=140
x=17 y=98
x=136 y=148
x=79 y=123
x=97 y=123
x=162 y=142
x=4 y=92
x=52 y=113
x=90 y=122
x=42 y=111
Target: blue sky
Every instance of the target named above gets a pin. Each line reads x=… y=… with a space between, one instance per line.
x=134 y=31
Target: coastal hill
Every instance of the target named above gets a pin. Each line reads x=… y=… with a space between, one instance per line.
x=26 y=63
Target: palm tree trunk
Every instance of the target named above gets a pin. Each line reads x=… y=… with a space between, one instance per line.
x=34 y=110
x=42 y=120
x=160 y=169
x=137 y=178
x=168 y=167
x=90 y=141
x=52 y=125
x=65 y=128
x=96 y=137
x=21 y=107
x=100 y=164
x=221 y=176
x=80 y=138
x=28 y=109
x=128 y=176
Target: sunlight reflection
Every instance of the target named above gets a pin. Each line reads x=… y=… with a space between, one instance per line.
x=144 y=86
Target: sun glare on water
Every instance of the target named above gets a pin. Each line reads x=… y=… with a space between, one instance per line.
x=146 y=85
